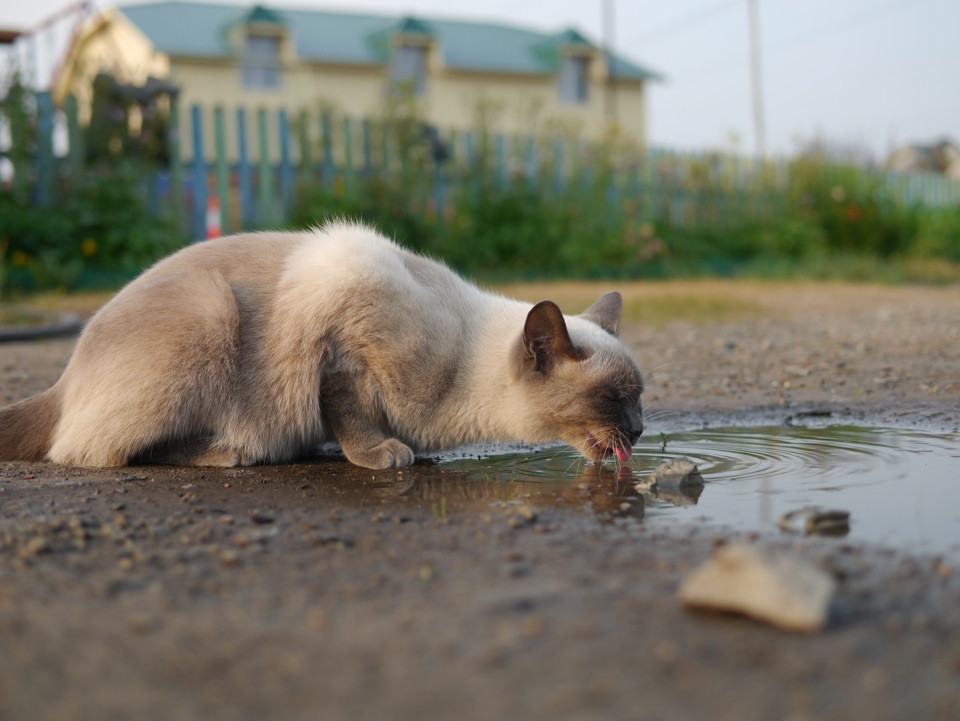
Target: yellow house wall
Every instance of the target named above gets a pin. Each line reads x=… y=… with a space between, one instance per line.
x=110 y=43
x=520 y=105
x=357 y=92
x=523 y=104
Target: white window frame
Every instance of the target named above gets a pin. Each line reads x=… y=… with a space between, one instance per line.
x=575 y=79
x=262 y=67
x=409 y=68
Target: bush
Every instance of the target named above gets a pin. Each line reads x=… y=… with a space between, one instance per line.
x=101 y=230
x=851 y=207
x=938 y=235
x=377 y=203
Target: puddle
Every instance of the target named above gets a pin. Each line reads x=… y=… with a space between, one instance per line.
x=902 y=488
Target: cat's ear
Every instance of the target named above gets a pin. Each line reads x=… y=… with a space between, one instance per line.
x=545 y=336
x=606 y=312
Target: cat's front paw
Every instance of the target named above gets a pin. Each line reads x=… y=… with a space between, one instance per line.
x=390 y=453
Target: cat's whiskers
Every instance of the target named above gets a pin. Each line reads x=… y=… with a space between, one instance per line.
x=651 y=372
x=654 y=376
x=633 y=463
x=665 y=414
x=576 y=461
x=594 y=446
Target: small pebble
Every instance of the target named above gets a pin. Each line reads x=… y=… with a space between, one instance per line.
x=666 y=651
x=317 y=618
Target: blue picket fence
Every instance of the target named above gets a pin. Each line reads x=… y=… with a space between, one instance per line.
x=242 y=170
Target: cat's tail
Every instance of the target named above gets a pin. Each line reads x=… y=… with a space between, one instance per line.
x=26 y=428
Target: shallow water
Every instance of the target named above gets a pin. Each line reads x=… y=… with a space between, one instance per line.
x=902 y=488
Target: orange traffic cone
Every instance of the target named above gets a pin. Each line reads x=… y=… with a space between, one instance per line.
x=214 y=228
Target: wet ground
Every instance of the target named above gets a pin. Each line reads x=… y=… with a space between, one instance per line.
x=901 y=486
x=480 y=589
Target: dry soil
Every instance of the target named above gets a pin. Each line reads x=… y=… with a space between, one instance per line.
x=322 y=591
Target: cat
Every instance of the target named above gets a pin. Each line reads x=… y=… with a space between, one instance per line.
x=257 y=348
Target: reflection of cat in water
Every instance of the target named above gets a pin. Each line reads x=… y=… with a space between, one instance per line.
x=258 y=347
x=607 y=490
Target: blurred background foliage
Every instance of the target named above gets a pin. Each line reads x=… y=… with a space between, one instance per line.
x=557 y=208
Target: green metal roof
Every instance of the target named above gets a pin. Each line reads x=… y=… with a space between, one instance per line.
x=260 y=15
x=413 y=26
x=200 y=30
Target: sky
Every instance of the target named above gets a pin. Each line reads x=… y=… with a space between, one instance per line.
x=857 y=74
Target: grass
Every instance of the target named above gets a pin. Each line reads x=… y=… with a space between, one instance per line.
x=700 y=309
x=648 y=303
x=653 y=303
x=16 y=316
x=858 y=269
x=83 y=302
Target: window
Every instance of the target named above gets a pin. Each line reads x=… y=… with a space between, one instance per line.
x=261 y=62
x=409 y=68
x=574 y=79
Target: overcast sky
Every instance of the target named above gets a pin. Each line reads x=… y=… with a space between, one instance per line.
x=872 y=73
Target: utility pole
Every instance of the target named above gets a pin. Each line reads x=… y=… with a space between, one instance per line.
x=609 y=88
x=756 y=77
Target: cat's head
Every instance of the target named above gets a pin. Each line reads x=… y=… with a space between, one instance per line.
x=583 y=386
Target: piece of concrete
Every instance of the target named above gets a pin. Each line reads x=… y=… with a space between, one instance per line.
x=679 y=472
x=812 y=520
x=677 y=481
x=774 y=587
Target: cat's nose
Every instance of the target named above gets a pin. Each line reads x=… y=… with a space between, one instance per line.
x=636 y=432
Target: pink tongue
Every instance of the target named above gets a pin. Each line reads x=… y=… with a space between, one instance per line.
x=624 y=453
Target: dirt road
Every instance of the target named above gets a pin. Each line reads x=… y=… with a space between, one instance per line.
x=321 y=591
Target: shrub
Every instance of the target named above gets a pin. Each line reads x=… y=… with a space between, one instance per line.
x=101 y=229
x=938 y=235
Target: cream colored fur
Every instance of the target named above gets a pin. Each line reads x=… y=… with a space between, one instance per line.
x=258 y=347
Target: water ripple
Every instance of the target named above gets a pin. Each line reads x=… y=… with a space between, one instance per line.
x=901 y=487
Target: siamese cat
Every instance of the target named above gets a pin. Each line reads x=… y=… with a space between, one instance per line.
x=259 y=347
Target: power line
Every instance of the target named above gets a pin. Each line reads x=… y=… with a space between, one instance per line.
x=800 y=38
x=857 y=19
x=673 y=28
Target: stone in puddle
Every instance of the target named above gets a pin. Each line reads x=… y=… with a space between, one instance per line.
x=677 y=473
x=769 y=586
x=816 y=521
x=676 y=495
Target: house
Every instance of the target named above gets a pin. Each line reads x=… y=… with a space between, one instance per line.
x=942 y=158
x=270 y=57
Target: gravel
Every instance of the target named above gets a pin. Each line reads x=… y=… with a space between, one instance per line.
x=321 y=591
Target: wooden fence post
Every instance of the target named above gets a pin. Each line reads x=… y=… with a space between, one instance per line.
x=286 y=167
x=533 y=167
x=46 y=168
x=244 y=172
x=367 y=148
x=471 y=151
x=199 y=177
x=75 y=139
x=264 y=171
x=348 y=155
x=384 y=149
x=326 y=123
x=560 y=178
x=439 y=189
x=223 y=172
x=305 y=170
x=176 y=166
x=501 y=159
